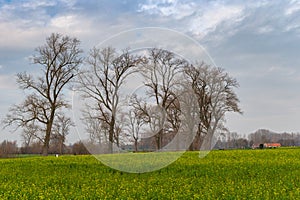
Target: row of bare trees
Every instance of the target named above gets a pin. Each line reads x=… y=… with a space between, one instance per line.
x=178 y=94
x=182 y=101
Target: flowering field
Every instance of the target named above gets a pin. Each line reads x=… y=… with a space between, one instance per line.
x=229 y=174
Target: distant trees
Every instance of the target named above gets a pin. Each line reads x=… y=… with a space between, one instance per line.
x=232 y=140
x=226 y=140
x=59 y=59
x=35 y=147
x=267 y=136
x=79 y=148
x=8 y=149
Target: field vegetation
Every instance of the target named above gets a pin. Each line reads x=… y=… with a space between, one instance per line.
x=229 y=174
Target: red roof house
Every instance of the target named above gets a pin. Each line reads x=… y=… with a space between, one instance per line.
x=272 y=145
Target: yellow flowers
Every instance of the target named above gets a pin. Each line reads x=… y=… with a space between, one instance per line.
x=232 y=174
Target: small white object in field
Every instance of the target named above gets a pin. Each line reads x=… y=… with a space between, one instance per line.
x=56 y=155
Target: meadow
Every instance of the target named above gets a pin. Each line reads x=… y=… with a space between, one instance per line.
x=229 y=174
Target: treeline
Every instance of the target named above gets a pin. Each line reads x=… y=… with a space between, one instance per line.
x=8 y=148
x=229 y=140
x=11 y=149
x=261 y=136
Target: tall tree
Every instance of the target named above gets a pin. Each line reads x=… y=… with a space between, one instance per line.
x=59 y=59
x=214 y=89
x=161 y=73
x=102 y=81
x=134 y=126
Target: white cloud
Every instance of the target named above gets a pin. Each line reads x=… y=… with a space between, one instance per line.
x=207 y=22
x=169 y=8
x=179 y=11
x=22 y=23
x=31 y=13
x=18 y=37
x=69 y=3
x=265 y=29
x=63 y=21
x=38 y=4
x=29 y=32
x=293 y=7
x=202 y=18
x=291 y=27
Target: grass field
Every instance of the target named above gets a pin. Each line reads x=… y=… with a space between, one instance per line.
x=229 y=174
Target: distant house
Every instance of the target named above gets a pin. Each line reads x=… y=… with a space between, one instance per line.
x=272 y=145
x=266 y=145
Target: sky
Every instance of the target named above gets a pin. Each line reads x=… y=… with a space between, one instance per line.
x=256 y=42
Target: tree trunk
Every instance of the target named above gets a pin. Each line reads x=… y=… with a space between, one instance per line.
x=62 y=141
x=159 y=136
x=135 y=145
x=207 y=142
x=197 y=141
x=48 y=133
x=47 y=140
x=196 y=144
x=111 y=134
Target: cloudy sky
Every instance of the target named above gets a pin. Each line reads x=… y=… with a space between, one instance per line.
x=256 y=42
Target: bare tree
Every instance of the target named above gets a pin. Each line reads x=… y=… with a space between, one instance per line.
x=102 y=82
x=198 y=82
x=61 y=129
x=136 y=118
x=161 y=74
x=59 y=58
x=29 y=135
x=135 y=124
x=97 y=129
x=215 y=91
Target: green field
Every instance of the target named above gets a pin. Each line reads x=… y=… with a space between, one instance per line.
x=229 y=174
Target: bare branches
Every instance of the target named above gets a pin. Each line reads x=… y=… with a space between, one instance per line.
x=32 y=109
x=102 y=81
x=60 y=58
x=215 y=92
x=61 y=127
x=134 y=126
x=161 y=73
x=166 y=77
